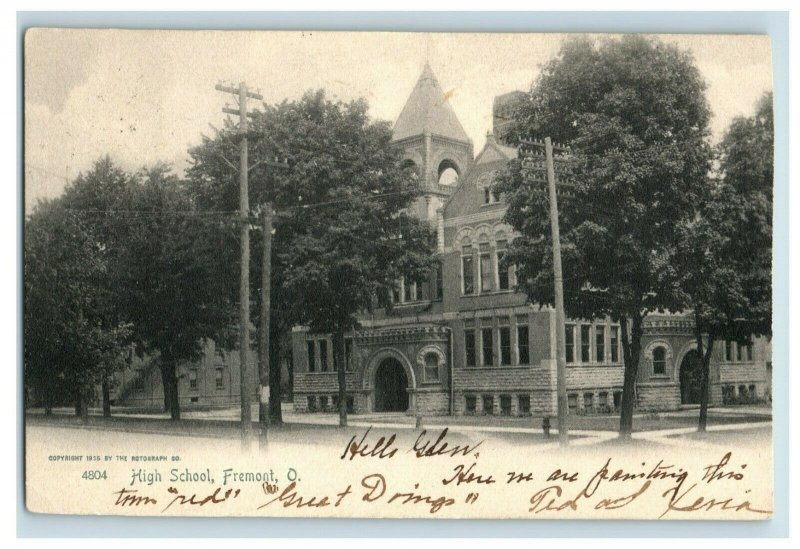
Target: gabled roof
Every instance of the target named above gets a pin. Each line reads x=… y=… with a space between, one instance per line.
x=427 y=108
x=492 y=152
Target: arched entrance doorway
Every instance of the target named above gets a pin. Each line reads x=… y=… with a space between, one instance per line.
x=391 y=386
x=691 y=378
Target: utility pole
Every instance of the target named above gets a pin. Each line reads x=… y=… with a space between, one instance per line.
x=531 y=160
x=244 y=238
x=263 y=340
x=558 y=283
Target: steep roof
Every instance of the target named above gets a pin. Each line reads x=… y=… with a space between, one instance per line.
x=427 y=108
x=466 y=197
x=494 y=151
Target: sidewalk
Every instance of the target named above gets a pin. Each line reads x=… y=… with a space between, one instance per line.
x=665 y=428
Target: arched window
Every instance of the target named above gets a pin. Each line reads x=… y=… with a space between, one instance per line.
x=467 y=267
x=659 y=361
x=431 y=367
x=448 y=172
x=485 y=270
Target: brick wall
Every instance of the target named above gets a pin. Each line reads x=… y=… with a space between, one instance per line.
x=587 y=376
x=325 y=382
x=733 y=372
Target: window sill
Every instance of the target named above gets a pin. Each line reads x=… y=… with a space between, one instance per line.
x=488 y=293
x=494 y=368
x=413 y=303
x=597 y=364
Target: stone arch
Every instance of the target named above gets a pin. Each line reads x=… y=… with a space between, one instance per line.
x=373 y=364
x=422 y=356
x=668 y=356
x=690 y=346
x=448 y=172
x=377 y=357
x=484 y=233
x=464 y=237
x=502 y=230
x=690 y=377
x=428 y=349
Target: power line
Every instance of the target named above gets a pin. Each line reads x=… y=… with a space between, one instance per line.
x=348 y=199
x=191 y=213
x=45 y=170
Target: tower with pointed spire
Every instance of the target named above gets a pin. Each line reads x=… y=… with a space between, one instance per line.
x=433 y=141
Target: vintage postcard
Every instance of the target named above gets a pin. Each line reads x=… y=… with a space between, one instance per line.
x=398 y=275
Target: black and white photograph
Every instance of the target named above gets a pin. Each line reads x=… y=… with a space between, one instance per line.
x=398 y=275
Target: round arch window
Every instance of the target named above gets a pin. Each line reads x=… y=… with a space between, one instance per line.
x=659 y=361
x=431 y=367
x=448 y=172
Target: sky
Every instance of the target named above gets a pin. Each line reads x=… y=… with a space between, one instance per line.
x=148 y=96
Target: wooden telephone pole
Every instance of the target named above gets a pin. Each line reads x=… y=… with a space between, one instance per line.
x=531 y=153
x=264 y=325
x=244 y=238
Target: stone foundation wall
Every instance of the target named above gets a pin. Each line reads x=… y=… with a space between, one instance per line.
x=658 y=396
x=505 y=386
x=323 y=387
x=432 y=403
x=539 y=403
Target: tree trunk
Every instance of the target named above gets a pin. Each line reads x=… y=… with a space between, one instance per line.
x=290 y=372
x=275 y=413
x=84 y=399
x=106 y=398
x=341 y=371
x=705 y=386
x=631 y=349
x=78 y=403
x=165 y=384
x=170 y=382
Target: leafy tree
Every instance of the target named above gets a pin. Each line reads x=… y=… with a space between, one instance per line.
x=71 y=344
x=167 y=273
x=136 y=261
x=723 y=260
x=90 y=198
x=633 y=112
x=342 y=235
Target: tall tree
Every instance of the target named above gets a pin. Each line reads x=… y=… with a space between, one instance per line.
x=354 y=237
x=634 y=113
x=93 y=198
x=71 y=342
x=168 y=271
x=342 y=236
x=723 y=260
